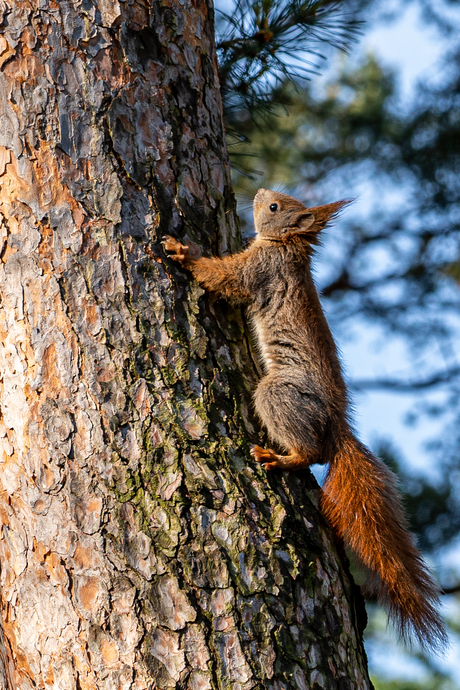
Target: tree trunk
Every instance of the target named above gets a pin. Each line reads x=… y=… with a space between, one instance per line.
x=140 y=546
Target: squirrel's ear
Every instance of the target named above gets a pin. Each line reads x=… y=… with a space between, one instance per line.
x=304 y=221
x=327 y=213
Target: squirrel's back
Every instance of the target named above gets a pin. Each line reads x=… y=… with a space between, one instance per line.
x=302 y=401
x=288 y=322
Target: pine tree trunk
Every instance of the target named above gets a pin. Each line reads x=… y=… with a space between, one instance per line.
x=140 y=546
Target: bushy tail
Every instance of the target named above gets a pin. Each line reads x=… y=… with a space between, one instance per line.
x=362 y=504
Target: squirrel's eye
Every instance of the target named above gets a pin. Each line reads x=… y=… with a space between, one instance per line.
x=273 y=207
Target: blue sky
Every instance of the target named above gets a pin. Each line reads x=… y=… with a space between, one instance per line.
x=414 y=50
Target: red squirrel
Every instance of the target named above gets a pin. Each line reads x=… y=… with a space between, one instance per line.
x=303 y=403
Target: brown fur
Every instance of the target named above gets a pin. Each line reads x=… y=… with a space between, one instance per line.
x=302 y=401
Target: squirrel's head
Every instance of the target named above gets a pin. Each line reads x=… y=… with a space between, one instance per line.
x=282 y=218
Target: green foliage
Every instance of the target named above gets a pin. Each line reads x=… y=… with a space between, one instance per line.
x=263 y=43
x=304 y=137
x=432 y=508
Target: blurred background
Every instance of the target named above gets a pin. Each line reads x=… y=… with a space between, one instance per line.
x=361 y=99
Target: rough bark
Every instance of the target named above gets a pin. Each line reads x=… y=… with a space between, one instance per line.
x=140 y=546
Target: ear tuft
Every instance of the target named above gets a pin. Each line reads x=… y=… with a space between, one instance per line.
x=328 y=213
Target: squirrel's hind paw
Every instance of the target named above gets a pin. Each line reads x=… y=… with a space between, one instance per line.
x=266 y=456
x=272 y=461
x=263 y=454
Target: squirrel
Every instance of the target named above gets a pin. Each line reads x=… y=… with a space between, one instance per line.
x=303 y=403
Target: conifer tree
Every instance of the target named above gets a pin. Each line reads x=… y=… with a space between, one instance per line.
x=140 y=547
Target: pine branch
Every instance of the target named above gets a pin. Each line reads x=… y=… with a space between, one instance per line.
x=407 y=386
x=265 y=42
x=450 y=590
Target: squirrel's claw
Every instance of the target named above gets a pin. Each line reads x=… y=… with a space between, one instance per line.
x=271 y=466
x=266 y=456
x=178 y=252
x=272 y=461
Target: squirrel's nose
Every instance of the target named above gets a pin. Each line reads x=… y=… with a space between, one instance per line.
x=260 y=194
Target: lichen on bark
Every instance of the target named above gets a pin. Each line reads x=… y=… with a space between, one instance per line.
x=140 y=546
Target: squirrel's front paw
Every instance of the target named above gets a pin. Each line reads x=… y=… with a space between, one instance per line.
x=178 y=252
